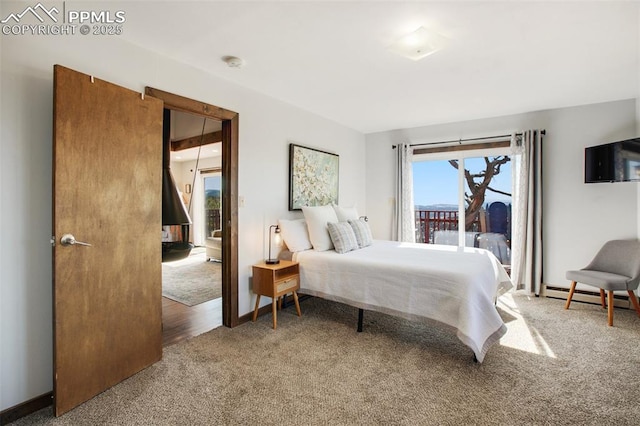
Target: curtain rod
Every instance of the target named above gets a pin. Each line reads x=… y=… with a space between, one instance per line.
x=466 y=140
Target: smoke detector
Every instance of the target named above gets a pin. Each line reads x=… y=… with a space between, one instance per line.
x=233 y=61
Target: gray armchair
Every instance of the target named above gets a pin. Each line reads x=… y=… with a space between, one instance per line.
x=214 y=246
x=616 y=267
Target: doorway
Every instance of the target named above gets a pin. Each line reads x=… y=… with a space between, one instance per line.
x=192 y=286
x=229 y=167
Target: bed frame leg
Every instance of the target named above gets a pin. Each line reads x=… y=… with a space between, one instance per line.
x=360 y=316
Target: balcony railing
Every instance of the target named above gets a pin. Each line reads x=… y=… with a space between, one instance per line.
x=212 y=220
x=429 y=221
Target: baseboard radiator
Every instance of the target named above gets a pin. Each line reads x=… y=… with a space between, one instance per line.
x=586 y=296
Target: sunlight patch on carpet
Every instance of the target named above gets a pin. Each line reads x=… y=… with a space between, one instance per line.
x=520 y=335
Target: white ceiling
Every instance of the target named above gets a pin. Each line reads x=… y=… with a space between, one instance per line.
x=185 y=125
x=332 y=58
x=193 y=154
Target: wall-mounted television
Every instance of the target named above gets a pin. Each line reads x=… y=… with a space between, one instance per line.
x=613 y=162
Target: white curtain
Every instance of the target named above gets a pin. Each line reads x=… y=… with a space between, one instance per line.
x=526 y=243
x=404 y=220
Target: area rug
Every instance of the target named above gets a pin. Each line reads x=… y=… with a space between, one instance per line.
x=193 y=280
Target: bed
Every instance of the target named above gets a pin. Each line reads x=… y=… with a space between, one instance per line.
x=457 y=287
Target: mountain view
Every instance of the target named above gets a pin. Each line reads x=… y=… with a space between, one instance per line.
x=438 y=207
x=212 y=193
x=212 y=198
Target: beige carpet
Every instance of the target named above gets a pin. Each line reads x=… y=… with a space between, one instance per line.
x=193 y=280
x=554 y=367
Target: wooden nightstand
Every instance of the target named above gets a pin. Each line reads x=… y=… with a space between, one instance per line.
x=275 y=281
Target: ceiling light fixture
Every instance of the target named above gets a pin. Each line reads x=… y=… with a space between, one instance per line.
x=233 y=61
x=418 y=44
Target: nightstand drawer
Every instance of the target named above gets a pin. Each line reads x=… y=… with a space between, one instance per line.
x=288 y=284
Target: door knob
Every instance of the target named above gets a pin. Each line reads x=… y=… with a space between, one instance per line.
x=70 y=240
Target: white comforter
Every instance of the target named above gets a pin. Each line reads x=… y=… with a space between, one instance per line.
x=454 y=286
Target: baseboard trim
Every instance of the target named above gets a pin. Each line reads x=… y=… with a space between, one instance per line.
x=585 y=296
x=24 y=409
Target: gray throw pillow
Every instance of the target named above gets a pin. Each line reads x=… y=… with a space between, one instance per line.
x=342 y=236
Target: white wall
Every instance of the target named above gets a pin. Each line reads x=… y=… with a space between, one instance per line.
x=266 y=128
x=183 y=171
x=577 y=218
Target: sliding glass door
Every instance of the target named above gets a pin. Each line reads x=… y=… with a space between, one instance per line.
x=468 y=191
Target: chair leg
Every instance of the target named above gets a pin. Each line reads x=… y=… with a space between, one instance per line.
x=571 y=290
x=602 y=299
x=634 y=300
x=610 y=310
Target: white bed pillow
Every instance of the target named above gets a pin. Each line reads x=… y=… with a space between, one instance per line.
x=295 y=234
x=362 y=232
x=342 y=236
x=345 y=213
x=317 y=218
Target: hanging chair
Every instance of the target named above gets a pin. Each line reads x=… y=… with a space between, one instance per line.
x=174 y=211
x=176 y=250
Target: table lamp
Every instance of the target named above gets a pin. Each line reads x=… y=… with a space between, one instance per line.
x=271 y=261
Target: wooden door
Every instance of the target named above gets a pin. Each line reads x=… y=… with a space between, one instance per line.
x=106 y=192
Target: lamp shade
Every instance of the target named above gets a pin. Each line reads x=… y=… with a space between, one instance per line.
x=270 y=260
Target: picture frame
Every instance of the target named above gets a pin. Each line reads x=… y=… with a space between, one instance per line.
x=313 y=177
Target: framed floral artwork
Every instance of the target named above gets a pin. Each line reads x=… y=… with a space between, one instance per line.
x=313 y=177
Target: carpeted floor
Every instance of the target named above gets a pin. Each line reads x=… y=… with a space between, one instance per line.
x=193 y=280
x=553 y=367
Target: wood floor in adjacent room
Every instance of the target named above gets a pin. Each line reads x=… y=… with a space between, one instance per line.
x=181 y=322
